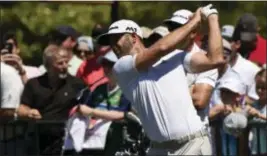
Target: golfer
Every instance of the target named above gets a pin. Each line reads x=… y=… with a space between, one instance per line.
x=154 y=80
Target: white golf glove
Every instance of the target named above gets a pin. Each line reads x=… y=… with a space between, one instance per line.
x=207 y=11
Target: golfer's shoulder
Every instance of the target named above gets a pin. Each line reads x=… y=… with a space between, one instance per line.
x=126 y=64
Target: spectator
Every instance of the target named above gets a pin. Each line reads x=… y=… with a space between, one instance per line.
x=109 y=106
x=10 y=55
x=248 y=24
x=227 y=32
x=244 y=38
x=157 y=33
x=232 y=90
x=146 y=31
x=11 y=89
x=91 y=72
x=84 y=48
x=253 y=46
x=261 y=106
x=97 y=30
x=65 y=36
x=51 y=96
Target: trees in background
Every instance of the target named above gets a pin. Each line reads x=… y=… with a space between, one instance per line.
x=32 y=21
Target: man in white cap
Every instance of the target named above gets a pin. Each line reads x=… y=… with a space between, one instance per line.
x=157 y=33
x=200 y=84
x=147 y=75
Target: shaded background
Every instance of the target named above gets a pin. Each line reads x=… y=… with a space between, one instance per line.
x=32 y=21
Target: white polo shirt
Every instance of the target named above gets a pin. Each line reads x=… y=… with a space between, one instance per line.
x=160 y=95
x=11 y=87
x=247 y=71
x=208 y=77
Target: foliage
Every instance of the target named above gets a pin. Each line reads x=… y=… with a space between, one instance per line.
x=32 y=21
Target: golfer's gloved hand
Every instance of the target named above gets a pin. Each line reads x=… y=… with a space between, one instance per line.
x=208 y=10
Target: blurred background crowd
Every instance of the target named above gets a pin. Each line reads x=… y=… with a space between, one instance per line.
x=32 y=31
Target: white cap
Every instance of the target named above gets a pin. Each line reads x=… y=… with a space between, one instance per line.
x=120 y=27
x=146 y=32
x=179 y=17
x=161 y=30
x=234 y=123
x=88 y=40
x=233 y=82
x=228 y=31
x=110 y=56
x=226 y=45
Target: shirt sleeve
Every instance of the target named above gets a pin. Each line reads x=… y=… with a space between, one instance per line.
x=11 y=88
x=208 y=77
x=251 y=91
x=124 y=70
x=187 y=61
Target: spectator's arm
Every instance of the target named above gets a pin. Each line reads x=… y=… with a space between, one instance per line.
x=103 y=114
x=202 y=90
x=215 y=111
x=201 y=94
x=199 y=62
x=255 y=113
x=23 y=111
x=164 y=46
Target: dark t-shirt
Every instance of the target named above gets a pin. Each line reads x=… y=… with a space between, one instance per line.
x=53 y=102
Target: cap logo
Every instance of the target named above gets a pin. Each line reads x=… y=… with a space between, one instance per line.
x=131 y=29
x=180 y=16
x=115 y=27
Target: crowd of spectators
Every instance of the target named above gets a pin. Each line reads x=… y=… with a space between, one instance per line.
x=72 y=62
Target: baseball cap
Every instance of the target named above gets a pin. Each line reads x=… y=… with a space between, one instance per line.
x=146 y=32
x=88 y=40
x=120 y=27
x=226 y=45
x=246 y=28
x=232 y=81
x=227 y=31
x=67 y=31
x=109 y=56
x=161 y=30
x=98 y=29
x=234 y=123
x=180 y=17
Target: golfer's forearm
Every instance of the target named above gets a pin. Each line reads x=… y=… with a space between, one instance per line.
x=169 y=43
x=215 y=52
x=107 y=115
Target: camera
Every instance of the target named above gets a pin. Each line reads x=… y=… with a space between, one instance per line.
x=7 y=48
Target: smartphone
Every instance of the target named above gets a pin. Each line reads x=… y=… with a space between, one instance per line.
x=7 y=48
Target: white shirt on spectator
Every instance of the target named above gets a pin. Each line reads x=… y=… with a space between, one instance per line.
x=208 y=77
x=247 y=71
x=160 y=95
x=11 y=87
